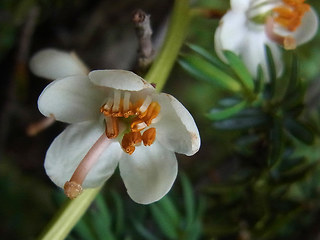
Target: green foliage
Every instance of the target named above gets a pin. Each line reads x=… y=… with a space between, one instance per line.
x=269 y=121
x=172 y=217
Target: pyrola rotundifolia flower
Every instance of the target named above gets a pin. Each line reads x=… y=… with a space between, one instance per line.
x=251 y=24
x=116 y=118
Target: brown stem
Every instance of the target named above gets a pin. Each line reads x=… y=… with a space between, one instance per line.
x=144 y=33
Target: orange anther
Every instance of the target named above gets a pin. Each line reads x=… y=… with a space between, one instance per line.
x=149 y=136
x=137 y=106
x=137 y=125
x=143 y=110
x=112 y=127
x=129 y=112
x=105 y=111
x=129 y=141
x=151 y=113
x=291 y=13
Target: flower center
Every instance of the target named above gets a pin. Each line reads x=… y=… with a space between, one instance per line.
x=290 y=14
x=137 y=116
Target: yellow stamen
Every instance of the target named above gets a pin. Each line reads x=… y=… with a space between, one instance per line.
x=149 y=136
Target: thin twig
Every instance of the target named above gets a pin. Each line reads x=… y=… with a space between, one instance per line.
x=144 y=33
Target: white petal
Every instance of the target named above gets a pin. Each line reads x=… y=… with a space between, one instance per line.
x=118 y=79
x=253 y=53
x=308 y=28
x=53 y=64
x=71 y=99
x=240 y=5
x=231 y=33
x=176 y=129
x=306 y=31
x=69 y=148
x=148 y=173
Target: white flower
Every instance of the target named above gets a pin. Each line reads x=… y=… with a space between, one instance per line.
x=116 y=118
x=251 y=24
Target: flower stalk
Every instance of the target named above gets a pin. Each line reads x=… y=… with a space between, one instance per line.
x=164 y=62
x=67 y=217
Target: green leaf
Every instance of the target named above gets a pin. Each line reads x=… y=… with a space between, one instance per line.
x=204 y=70
x=281 y=89
x=144 y=232
x=208 y=56
x=221 y=114
x=170 y=210
x=240 y=70
x=194 y=232
x=100 y=219
x=299 y=130
x=245 y=119
x=276 y=143
x=297 y=173
x=119 y=213
x=260 y=81
x=161 y=218
x=82 y=229
x=294 y=74
x=189 y=202
x=271 y=67
x=229 y=102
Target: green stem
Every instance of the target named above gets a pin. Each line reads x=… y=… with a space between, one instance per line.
x=68 y=216
x=164 y=62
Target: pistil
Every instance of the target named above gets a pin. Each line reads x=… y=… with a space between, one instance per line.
x=288 y=42
x=73 y=187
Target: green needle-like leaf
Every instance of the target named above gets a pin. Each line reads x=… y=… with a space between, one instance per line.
x=221 y=114
x=204 y=70
x=299 y=130
x=169 y=208
x=208 y=56
x=271 y=69
x=163 y=222
x=276 y=143
x=240 y=70
x=189 y=202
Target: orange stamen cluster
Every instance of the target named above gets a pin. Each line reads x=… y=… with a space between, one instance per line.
x=142 y=113
x=291 y=13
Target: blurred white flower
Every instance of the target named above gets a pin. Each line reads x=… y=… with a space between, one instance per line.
x=251 y=24
x=53 y=64
x=116 y=118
